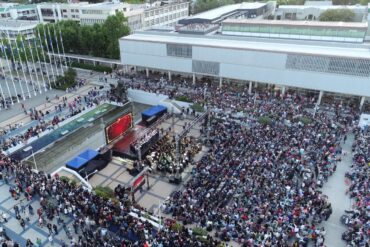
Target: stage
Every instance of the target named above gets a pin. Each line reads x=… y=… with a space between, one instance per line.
x=122 y=147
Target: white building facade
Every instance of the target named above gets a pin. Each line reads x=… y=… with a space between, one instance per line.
x=166 y=15
x=12 y=28
x=326 y=67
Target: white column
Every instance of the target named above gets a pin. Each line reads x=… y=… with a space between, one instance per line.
x=194 y=80
x=250 y=87
x=134 y=68
x=39 y=14
x=362 y=102
x=59 y=13
x=220 y=82
x=169 y=76
x=320 y=96
x=147 y=72
x=282 y=91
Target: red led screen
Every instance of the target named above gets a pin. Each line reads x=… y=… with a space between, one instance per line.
x=118 y=127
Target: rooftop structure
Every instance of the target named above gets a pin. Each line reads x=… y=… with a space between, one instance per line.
x=241 y=10
x=310 y=30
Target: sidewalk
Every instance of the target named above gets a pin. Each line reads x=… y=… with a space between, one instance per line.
x=16 y=114
x=335 y=189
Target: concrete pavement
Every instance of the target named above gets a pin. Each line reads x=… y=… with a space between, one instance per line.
x=335 y=189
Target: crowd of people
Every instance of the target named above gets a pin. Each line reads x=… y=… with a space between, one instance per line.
x=162 y=155
x=258 y=184
x=95 y=221
x=48 y=121
x=357 y=218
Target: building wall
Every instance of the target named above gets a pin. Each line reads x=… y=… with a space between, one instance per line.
x=247 y=65
x=167 y=15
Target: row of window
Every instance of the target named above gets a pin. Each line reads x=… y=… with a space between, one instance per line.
x=92 y=21
x=164 y=19
x=337 y=65
x=72 y=10
x=165 y=10
x=205 y=67
x=178 y=50
x=307 y=31
x=73 y=16
x=92 y=12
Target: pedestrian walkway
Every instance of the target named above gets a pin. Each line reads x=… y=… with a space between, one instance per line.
x=335 y=189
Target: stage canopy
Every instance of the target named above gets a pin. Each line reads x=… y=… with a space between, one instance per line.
x=153 y=111
x=88 y=154
x=82 y=159
x=76 y=163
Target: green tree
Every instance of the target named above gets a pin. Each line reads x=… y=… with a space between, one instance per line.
x=345 y=2
x=204 y=5
x=345 y=15
x=100 y=40
x=113 y=29
x=290 y=2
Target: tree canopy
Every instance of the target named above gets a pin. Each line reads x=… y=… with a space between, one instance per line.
x=348 y=2
x=99 y=40
x=204 y=5
x=345 y=15
x=290 y=2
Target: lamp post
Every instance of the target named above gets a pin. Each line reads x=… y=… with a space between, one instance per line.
x=87 y=175
x=33 y=155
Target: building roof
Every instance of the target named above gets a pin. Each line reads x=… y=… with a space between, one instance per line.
x=217 y=12
x=104 y=6
x=297 y=23
x=324 y=7
x=308 y=48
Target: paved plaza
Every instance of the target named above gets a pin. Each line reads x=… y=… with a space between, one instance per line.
x=117 y=173
x=160 y=188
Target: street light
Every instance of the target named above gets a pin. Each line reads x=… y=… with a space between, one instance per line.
x=33 y=155
x=88 y=175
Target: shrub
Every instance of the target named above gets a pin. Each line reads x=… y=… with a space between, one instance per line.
x=183 y=98
x=73 y=182
x=198 y=231
x=265 y=120
x=66 y=81
x=197 y=107
x=104 y=192
x=176 y=227
x=305 y=120
x=98 y=68
x=64 y=179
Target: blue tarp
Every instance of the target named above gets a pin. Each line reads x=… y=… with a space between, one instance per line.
x=154 y=111
x=76 y=163
x=88 y=154
x=82 y=159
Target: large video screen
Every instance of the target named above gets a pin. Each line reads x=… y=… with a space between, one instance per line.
x=118 y=127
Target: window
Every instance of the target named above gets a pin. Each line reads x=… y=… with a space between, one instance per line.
x=335 y=65
x=205 y=67
x=179 y=50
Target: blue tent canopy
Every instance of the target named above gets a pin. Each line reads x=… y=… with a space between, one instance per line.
x=88 y=154
x=76 y=163
x=155 y=110
x=82 y=159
